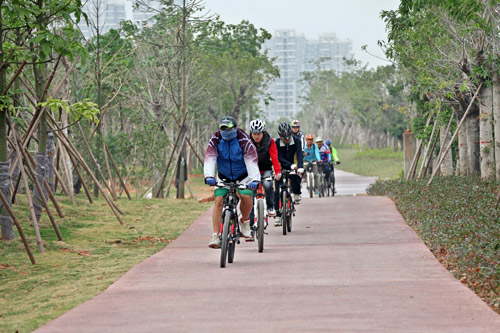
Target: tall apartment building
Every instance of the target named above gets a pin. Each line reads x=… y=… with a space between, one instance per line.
x=296 y=54
x=111 y=12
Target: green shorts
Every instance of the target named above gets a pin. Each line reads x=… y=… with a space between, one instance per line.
x=220 y=191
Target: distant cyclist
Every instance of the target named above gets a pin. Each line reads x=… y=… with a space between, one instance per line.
x=298 y=133
x=311 y=155
x=334 y=159
x=289 y=155
x=268 y=159
x=236 y=158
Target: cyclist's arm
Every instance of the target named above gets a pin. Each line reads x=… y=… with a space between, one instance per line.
x=316 y=152
x=211 y=156
x=273 y=152
x=300 y=155
x=334 y=154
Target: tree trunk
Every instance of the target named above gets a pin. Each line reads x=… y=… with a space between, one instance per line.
x=487 y=152
x=395 y=144
x=447 y=164
x=472 y=130
x=462 y=159
x=50 y=161
x=495 y=78
x=6 y=222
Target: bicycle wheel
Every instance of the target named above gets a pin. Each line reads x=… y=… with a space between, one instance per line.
x=332 y=181
x=260 y=224
x=310 y=184
x=289 y=213
x=225 y=239
x=230 y=251
x=284 y=211
x=321 y=186
x=327 y=186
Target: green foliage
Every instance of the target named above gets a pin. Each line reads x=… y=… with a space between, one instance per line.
x=86 y=109
x=457 y=220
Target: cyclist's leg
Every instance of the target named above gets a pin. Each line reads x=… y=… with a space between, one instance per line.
x=277 y=185
x=245 y=206
x=315 y=177
x=217 y=214
x=268 y=187
x=295 y=184
x=252 y=213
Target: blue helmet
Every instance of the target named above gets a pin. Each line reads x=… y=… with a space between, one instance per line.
x=328 y=142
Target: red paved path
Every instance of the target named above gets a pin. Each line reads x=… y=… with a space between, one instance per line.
x=351 y=264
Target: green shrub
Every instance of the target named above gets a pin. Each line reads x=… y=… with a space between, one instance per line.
x=456 y=218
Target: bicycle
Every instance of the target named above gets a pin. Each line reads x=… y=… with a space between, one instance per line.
x=309 y=167
x=321 y=180
x=260 y=211
x=287 y=206
x=230 y=227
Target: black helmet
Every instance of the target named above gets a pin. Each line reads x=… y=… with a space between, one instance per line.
x=228 y=122
x=285 y=131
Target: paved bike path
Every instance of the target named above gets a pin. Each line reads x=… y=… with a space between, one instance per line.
x=350 y=264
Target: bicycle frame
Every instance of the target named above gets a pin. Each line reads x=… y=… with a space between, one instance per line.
x=230 y=234
x=287 y=211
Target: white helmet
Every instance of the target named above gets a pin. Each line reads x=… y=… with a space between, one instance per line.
x=257 y=126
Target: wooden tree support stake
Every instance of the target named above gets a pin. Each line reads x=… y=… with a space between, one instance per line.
x=117 y=172
x=18 y=226
x=75 y=166
x=454 y=135
x=32 y=173
x=96 y=164
x=428 y=146
x=70 y=149
x=157 y=194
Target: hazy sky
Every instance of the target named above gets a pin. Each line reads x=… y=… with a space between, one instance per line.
x=357 y=20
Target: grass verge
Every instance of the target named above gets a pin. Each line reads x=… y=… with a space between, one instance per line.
x=96 y=251
x=456 y=218
x=382 y=163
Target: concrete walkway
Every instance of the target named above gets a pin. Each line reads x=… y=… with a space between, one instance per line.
x=351 y=264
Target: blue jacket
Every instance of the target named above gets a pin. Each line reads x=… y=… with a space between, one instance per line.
x=235 y=159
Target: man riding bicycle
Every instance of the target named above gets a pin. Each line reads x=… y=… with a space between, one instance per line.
x=289 y=155
x=236 y=158
x=311 y=155
x=298 y=133
x=268 y=158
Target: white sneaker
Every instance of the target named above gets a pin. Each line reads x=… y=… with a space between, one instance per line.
x=245 y=229
x=277 y=222
x=271 y=212
x=298 y=199
x=215 y=241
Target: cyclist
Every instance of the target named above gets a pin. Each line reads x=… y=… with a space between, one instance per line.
x=298 y=133
x=236 y=158
x=268 y=159
x=311 y=155
x=333 y=160
x=289 y=156
x=325 y=156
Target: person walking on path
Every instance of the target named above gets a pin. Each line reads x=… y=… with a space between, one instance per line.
x=232 y=150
